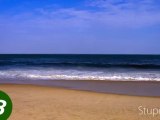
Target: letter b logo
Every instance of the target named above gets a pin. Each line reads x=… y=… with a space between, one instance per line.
x=5 y=106
x=2 y=106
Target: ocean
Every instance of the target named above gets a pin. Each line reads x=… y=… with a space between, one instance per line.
x=80 y=67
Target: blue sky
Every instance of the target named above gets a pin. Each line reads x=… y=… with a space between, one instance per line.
x=80 y=26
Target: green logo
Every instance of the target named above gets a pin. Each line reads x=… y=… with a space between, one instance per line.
x=5 y=106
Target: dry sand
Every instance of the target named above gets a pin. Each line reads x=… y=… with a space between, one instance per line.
x=32 y=102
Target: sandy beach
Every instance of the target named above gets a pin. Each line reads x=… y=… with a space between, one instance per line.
x=32 y=102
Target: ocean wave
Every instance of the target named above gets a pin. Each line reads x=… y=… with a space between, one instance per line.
x=54 y=74
x=81 y=67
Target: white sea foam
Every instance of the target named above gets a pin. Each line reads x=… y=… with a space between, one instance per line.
x=73 y=74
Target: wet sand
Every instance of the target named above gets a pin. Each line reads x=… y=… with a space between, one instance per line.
x=32 y=102
x=137 y=88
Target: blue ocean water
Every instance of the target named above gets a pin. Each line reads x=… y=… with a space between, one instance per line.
x=80 y=67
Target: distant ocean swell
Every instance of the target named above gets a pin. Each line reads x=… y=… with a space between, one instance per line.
x=83 y=64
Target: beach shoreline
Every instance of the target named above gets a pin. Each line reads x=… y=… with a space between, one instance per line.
x=34 y=102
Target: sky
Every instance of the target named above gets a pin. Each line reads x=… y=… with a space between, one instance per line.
x=80 y=26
